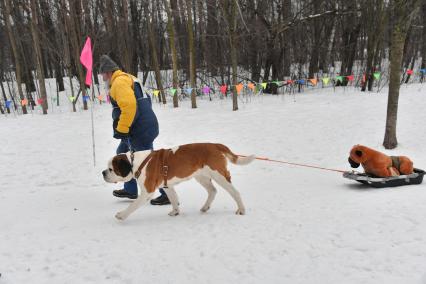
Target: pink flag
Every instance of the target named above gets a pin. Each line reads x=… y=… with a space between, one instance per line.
x=409 y=72
x=206 y=90
x=223 y=89
x=87 y=60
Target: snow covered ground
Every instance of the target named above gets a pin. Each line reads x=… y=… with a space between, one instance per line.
x=302 y=225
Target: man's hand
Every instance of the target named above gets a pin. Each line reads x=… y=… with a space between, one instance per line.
x=119 y=135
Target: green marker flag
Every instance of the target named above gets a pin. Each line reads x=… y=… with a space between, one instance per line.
x=376 y=75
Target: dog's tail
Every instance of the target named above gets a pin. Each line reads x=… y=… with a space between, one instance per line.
x=235 y=159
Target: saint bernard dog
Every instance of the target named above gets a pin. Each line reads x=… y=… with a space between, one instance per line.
x=167 y=167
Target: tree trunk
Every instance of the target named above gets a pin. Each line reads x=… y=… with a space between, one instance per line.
x=39 y=59
x=422 y=75
x=191 y=53
x=124 y=37
x=77 y=44
x=172 y=32
x=211 y=49
x=286 y=38
x=234 y=59
x=16 y=54
x=154 y=56
x=402 y=17
x=315 y=48
x=229 y=8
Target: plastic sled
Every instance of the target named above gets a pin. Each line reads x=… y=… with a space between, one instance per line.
x=414 y=178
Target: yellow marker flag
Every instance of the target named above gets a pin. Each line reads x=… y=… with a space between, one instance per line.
x=156 y=92
x=264 y=85
x=239 y=87
x=325 y=80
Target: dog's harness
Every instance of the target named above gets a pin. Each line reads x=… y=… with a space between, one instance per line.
x=165 y=167
x=145 y=161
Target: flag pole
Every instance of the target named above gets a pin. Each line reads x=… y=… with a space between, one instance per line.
x=93 y=127
x=86 y=59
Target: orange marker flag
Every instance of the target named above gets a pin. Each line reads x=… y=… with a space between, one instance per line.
x=314 y=81
x=239 y=87
x=251 y=86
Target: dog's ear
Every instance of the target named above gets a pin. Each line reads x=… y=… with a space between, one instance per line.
x=121 y=165
x=358 y=153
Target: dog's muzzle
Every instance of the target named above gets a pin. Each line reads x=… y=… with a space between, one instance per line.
x=353 y=163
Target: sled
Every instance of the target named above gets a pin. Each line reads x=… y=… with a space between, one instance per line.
x=378 y=182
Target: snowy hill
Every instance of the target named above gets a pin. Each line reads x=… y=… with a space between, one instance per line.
x=302 y=225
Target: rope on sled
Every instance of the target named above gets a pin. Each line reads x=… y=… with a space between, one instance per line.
x=295 y=164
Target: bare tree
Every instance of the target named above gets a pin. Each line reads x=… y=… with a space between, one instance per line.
x=154 y=56
x=172 y=41
x=403 y=12
x=39 y=59
x=6 y=12
x=191 y=53
x=229 y=8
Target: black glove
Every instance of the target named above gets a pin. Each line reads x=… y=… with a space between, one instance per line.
x=119 y=135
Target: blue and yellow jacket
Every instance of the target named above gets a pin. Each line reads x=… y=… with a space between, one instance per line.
x=123 y=94
x=132 y=111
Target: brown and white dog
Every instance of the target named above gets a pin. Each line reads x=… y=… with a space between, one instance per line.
x=379 y=164
x=168 y=167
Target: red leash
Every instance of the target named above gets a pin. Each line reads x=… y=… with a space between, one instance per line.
x=295 y=164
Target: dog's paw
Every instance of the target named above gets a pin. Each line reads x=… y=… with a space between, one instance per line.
x=241 y=211
x=204 y=209
x=121 y=216
x=174 y=212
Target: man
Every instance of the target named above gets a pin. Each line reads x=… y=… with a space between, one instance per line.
x=134 y=121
